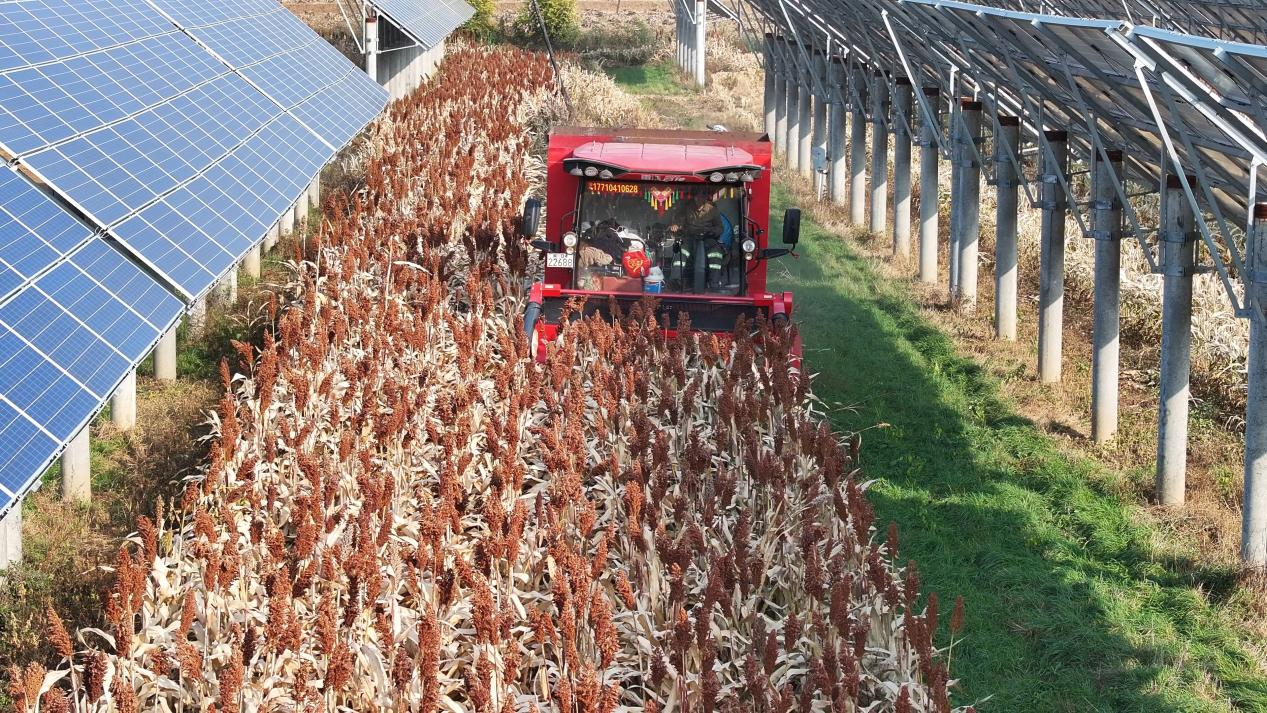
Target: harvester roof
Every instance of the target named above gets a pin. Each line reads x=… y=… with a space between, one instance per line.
x=664 y=158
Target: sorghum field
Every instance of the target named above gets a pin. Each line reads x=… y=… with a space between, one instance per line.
x=403 y=512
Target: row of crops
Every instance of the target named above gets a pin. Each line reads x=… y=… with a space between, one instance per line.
x=403 y=512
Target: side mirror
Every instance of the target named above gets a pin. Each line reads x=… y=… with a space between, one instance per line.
x=542 y=245
x=792 y=226
x=532 y=217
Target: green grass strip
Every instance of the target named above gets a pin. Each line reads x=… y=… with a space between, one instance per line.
x=1068 y=606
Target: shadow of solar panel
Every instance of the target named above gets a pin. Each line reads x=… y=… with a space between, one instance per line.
x=427 y=22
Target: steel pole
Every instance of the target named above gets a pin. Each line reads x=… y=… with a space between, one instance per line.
x=955 y=250
x=1051 y=279
x=836 y=136
x=701 y=43
x=1006 y=145
x=879 y=154
x=970 y=219
x=1254 y=515
x=929 y=189
x=821 y=102
x=902 y=121
x=1107 y=231
x=857 y=147
x=1178 y=256
x=371 y=44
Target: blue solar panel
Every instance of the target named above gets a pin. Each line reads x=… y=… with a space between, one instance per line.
x=45 y=104
x=26 y=450
x=289 y=62
x=34 y=232
x=64 y=340
x=37 y=31
x=193 y=13
x=41 y=390
x=427 y=22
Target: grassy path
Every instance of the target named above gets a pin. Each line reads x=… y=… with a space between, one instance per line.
x=1067 y=610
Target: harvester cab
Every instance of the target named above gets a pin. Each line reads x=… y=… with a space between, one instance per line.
x=680 y=216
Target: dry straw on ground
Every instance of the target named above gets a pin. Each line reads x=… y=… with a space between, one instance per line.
x=403 y=512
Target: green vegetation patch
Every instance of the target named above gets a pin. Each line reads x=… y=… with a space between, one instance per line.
x=1068 y=607
x=654 y=78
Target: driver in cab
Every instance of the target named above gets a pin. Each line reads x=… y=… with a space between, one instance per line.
x=702 y=219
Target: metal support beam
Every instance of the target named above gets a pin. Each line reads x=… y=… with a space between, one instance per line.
x=858 y=147
x=1107 y=231
x=780 y=112
x=1051 y=278
x=1006 y=271
x=903 y=121
x=879 y=154
x=123 y=403
x=165 y=356
x=929 y=189
x=1178 y=258
x=1254 y=516
x=77 y=469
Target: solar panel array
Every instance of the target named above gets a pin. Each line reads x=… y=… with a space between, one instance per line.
x=151 y=144
x=427 y=24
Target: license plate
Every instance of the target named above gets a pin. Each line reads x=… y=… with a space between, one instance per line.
x=559 y=259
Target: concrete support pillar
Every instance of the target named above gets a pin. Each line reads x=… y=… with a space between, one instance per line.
x=123 y=403
x=274 y=234
x=301 y=212
x=77 y=469
x=793 y=139
x=821 y=102
x=770 y=97
x=836 y=154
x=968 y=202
x=227 y=288
x=198 y=317
x=1006 y=271
x=805 y=137
x=929 y=188
x=1107 y=232
x=701 y=44
x=251 y=263
x=679 y=36
x=903 y=119
x=1051 y=278
x=11 y=537
x=1254 y=515
x=1178 y=258
x=165 y=356
x=857 y=147
x=371 y=44
x=879 y=154
x=314 y=192
x=287 y=221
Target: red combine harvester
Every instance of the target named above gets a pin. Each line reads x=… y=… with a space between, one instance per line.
x=680 y=216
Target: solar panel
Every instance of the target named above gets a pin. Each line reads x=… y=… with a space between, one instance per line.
x=426 y=22
x=27 y=449
x=39 y=31
x=292 y=65
x=34 y=232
